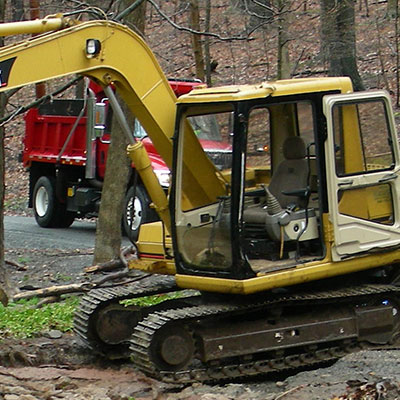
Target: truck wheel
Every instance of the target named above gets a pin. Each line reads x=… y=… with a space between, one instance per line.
x=44 y=206
x=49 y=213
x=136 y=212
x=65 y=218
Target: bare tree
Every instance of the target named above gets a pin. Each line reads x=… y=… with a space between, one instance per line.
x=18 y=10
x=391 y=10
x=339 y=39
x=267 y=16
x=283 y=59
x=34 y=6
x=196 y=39
x=207 y=55
x=108 y=232
x=4 y=285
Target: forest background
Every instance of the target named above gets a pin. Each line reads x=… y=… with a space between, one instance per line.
x=243 y=41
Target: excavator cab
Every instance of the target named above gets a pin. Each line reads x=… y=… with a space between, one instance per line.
x=295 y=160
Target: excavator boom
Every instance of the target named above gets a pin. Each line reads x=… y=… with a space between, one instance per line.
x=122 y=58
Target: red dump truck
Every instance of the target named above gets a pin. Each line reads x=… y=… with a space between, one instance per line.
x=65 y=152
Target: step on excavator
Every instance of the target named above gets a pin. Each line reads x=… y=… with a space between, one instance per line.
x=288 y=258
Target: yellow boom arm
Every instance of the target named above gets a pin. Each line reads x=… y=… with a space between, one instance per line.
x=124 y=60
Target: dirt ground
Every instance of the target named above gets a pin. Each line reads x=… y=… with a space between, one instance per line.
x=56 y=366
x=61 y=369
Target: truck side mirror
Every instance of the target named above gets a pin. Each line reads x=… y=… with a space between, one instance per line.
x=100 y=114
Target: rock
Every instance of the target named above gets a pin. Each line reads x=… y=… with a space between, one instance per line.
x=65 y=383
x=53 y=334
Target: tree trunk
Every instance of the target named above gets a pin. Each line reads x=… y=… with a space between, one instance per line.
x=339 y=39
x=137 y=18
x=108 y=232
x=207 y=54
x=18 y=10
x=391 y=10
x=34 y=5
x=196 y=39
x=283 y=68
x=4 y=285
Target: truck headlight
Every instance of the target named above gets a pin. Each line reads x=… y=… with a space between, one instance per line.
x=163 y=177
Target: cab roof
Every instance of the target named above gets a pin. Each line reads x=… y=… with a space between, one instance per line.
x=285 y=87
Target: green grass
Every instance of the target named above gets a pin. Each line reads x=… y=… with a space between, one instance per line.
x=23 y=260
x=22 y=320
x=63 y=277
x=148 y=301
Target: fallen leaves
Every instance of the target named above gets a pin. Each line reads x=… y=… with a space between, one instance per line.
x=363 y=390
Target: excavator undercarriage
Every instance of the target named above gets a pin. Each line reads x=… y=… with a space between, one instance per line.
x=208 y=337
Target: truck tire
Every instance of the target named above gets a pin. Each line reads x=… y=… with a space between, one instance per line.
x=65 y=218
x=136 y=212
x=48 y=211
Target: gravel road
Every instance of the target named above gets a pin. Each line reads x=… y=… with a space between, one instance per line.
x=23 y=232
x=45 y=257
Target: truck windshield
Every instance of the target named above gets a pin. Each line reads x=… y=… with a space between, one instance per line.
x=206 y=127
x=139 y=131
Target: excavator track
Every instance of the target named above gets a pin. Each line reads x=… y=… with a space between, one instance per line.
x=99 y=299
x=148 y=339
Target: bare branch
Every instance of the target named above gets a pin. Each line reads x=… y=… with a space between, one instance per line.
x=269 y=8
x=192 y=31
x=22 y=109
x=254 y=14
x=128 y=10
x=81 y=7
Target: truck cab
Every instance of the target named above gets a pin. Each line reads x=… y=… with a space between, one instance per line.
x=65 y=150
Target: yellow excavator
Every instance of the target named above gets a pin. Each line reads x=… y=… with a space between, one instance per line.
x=288 y=258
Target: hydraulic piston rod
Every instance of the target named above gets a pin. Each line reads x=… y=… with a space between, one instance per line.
x=36 y=26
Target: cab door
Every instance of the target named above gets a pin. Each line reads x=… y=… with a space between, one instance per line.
x=362 y=173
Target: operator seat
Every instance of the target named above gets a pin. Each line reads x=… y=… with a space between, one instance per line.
x=285 y=215
x=292 y=174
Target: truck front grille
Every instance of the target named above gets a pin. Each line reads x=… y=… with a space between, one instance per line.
x=221 y=159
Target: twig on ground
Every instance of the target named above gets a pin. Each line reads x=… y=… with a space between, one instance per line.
x=57 y=291
x=54 y=290
x=290 y=391
x=72 y=288
x=17 y=265
x=107 y=266
x=117 y=275
x=48 y=300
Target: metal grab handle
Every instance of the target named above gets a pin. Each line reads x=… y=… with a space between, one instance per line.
x=345 y=183
x=388 y=177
